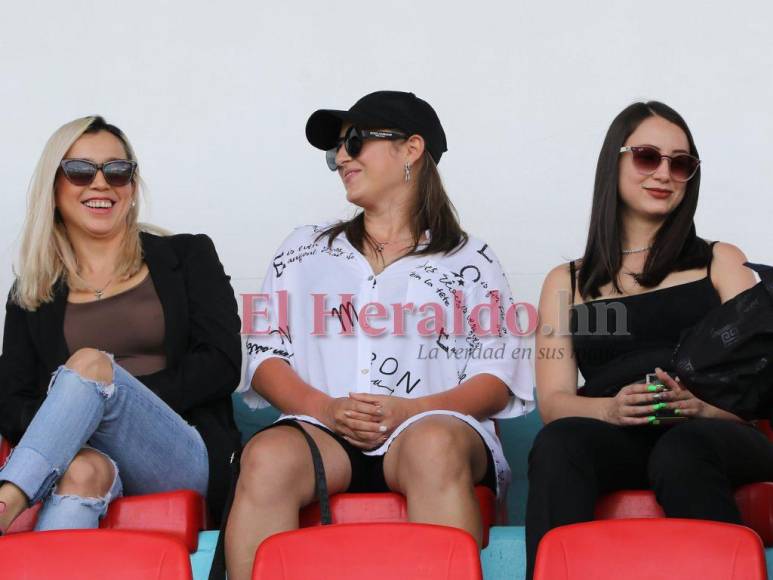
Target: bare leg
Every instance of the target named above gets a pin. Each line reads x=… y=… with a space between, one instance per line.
x=276 y=481
x=435 y=463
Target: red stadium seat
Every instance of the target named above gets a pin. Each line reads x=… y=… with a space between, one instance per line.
x=181 y=513
x=5 y=450
x=94 y=555
x=653 y=549
x=755 y=502
x=765 y=427
x=629 y=503
x=352 y=508
x=176 y=513
x=26 y=521
x=373 y=551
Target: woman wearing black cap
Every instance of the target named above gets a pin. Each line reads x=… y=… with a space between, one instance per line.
x=389 y=337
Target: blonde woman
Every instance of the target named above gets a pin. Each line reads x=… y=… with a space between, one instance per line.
x=121 y=348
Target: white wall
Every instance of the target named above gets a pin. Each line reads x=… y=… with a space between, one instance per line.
x=215 y=98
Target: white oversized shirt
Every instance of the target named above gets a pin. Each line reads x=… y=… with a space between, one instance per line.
x=399 y=361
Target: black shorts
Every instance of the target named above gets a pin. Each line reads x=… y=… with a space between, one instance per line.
x=368 y=470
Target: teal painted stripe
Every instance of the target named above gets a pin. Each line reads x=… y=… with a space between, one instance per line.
x=202 y=559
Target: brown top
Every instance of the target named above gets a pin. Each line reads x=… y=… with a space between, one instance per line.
x=130 y=325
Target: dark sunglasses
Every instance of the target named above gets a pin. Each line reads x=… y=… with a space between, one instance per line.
x=646 y=160
x=82 y=172
x=353 y=140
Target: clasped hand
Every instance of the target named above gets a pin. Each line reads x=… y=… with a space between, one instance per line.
x=637 y=403
x=365 y=420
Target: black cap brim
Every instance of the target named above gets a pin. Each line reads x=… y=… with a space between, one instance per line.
x=324 y=126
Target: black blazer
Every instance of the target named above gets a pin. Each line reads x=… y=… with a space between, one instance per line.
x=202 y=344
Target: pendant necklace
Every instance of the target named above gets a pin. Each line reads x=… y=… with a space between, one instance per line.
x=98 y=292
x=381 y=245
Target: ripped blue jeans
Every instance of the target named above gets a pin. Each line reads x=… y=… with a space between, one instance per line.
x=152 y=449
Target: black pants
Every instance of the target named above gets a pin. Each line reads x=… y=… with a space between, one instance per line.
x=693 y=468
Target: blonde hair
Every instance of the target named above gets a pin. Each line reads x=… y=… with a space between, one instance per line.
x=46 y=256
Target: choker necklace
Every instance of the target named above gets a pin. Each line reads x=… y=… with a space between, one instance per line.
x=636 y=251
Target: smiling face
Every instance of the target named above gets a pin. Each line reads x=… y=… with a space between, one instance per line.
x=99 y=209
x=652 y=196
x=376 y=173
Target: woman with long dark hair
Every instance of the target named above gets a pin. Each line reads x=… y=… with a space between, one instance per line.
x=384 y=354
x=644 y=277
x=121 y=346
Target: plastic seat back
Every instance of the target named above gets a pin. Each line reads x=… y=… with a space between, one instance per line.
x=650 y=549
x=755 y=502
x=764 y=426
x=373 y=551
x=5 y=451
x=180 y=514
x=93 y=555
x=351 y=508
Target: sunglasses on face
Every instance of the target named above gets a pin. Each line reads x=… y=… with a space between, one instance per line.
x=646 y=160
x=82 y=172
x=353 y=140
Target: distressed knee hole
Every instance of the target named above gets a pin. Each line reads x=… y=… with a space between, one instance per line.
x=91 y=473
x=92 y=365
x=96 y=503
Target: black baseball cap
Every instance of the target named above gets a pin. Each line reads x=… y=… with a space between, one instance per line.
x=380 y=110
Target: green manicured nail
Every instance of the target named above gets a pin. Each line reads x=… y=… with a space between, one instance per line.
x=652 y=388
x=677 y=412
x=659 y=406
x=652 y=418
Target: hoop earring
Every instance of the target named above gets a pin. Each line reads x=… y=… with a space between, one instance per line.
x=407 y=173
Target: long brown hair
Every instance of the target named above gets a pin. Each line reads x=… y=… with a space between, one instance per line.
x=676 y=246
x=433 y=211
